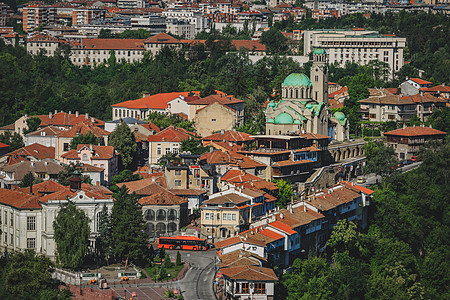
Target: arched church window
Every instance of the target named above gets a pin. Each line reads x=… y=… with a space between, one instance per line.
x=303 y=90
x=296 y=93
x=292 y=94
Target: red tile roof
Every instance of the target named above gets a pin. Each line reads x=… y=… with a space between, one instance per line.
x=143 y=187
x=162 y=198
x=65 y=119
x=46 y=131
x=251 y=45
x=45 y=187
x=19 y=200
x=113 y=44
x=229 y=136
x=415 y=131
x=162 y=38
x=437 y=88
x=98 y=152
x=85 y=127
x=35 y=150
x=42 y=38
x=3 y=145
x=283 y=227
x=151 y=126
x=420 y=81
x=358 y=187
x=157 y=101
x=171 y=134
x=95 y=192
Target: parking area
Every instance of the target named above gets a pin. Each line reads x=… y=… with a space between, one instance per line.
x=141 y=293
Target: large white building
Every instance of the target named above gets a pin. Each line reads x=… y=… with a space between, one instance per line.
x=356 y=46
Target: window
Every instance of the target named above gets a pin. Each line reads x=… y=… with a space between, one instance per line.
x=31 y=223
x=167 y=150
x=197 y=174
x=244 y=288
x=175 y=149
x=213 y=120
x=31 y=243
x=209 y=216
x=11 y=223
x=12 y=239
x=158 y=150
x=260 y=288
x=66 y=147
x=6 y=219
x=177 y=172
x=177 y=182
x=85 y=157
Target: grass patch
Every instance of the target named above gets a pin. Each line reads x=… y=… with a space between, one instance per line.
x=173 y=271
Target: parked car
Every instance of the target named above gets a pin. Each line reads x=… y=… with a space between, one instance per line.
x=361 y=180
x=416 y=158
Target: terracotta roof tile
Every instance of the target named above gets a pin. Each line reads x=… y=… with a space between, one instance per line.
x=162 y=198
x=250 y=273
x=415 y=131
x=162 y=38
x=143 y=187
x=229 y=136
x=157 y=101
x=113 y=44
x=65 y=119
x=45 y=187
x=20 y=169
x=420 y=81
x=46 y=131
x=221 y=98
x=85 y=127
x=171 y=134
x=283 y=227
x=98 y=152
x=35 y=150
x=19 y=200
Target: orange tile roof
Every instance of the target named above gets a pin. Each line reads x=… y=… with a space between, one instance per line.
x=437 y=88
x=420 y=81
x=42 y=38
x=415 y=131
x=171 y=134
x=162 y=38
x=284 y=163
x=2 y=145
x=251 y=45
x=98 y=152
x=250 y=273
x=229 y=136
x=162 y=198
x=19 y=200
x=65 y=119
x=45 y=187
x=143 y=187
x=223 y=145
x=35 y=150
x=150 y=126
x=85 y=127
x=113 y=44
x=358 y=187
x=283 y=227
x=157 y=101
x=90 y=191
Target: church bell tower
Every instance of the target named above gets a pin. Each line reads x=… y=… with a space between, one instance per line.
x=319 y=76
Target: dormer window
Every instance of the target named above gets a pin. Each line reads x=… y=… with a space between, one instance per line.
x=84 y=157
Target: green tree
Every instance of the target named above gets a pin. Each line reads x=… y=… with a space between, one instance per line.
x=194 y=146
x=285 y=192
x=178 y=260
x=29 y=179
x=14 y=141
x=162 y=272
x=167 y=262
x=32 y=124
x=440 y=119
x=104 y=239
x=129 y=241
x=68 y=171
x=381 y=160
x=125 y=176
x=87 y=139
x=345 y=237
x=29 y=276
x=275 y=41
x=71 y=245
x=124 y=141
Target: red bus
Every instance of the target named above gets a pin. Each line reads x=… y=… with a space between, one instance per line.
x=182 y=243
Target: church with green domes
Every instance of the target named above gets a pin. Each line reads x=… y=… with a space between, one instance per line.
x=304 y=105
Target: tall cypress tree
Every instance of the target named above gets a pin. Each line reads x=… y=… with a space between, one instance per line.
x=129 y=241
x=123 y=140
x=72 y=231
x=104 y=234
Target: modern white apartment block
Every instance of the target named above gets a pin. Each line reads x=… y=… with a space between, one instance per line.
x=356 y=45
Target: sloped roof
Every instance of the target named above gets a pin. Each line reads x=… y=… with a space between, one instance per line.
x=162 y=38
x=420 y=81
x=250 y=273
x=35 y=150
x=171 y=134
x=230 y=198
x=157 y=101
x=19 y=200
x=46 y=131
x=66 y=119
x=219 y=98
x=113 y=44
x=45 y=187
x=20 y=169
x=229 y=136
x=162 y=198
x=82 y=128
x=91 y=191
x=415 y=131
x=143 y=187
x=98 y=152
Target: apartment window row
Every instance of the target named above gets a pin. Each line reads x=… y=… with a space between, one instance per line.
x=362 y=44
x=209 y=216
x=228 y=216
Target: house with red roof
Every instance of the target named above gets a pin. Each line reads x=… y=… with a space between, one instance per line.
x=155 y=43
x=230 y=136
x=407 y=141
x=33 y=152
x=441 y=91
x=142 y=107
x=167 y=141
x=104 y=157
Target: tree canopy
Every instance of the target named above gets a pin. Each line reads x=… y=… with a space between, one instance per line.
x=124 y=142
x=381 y=159
x=88 y=139
x=72 y=245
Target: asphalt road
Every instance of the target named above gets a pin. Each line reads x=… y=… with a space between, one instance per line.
x=198 y=281
x=372 y=178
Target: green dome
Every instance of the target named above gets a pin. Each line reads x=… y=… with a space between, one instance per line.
x=297 y=122
x=270 y=120
x=299 y=79
x=272 y=104
x=284 y=118
x=309 y=106
x=319 y=51
x=340 y=116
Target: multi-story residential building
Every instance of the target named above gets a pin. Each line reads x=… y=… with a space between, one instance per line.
x=199 y=21
x=27 y=220
x=47 y=136
x=388 y=107
x=441 y=91
x=13 y=174
x=42 y=42
x=3 y=14
x=105 y=157
x=153 y=23
x=37 y=15
x=82 y=16
x=356 y=46
x=130 y=4
x=166 y=141
x=408 y=140
x=180 y=28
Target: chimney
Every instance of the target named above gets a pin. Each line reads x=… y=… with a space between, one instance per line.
x=431 y=126
x=87 y=116
x=281 y=216
x=222 y=131
x=92 y=119
x=56 y=111
x=77 y=114
x=404 y=125
x=70 y=112
x=305 y=209
x=50 y=115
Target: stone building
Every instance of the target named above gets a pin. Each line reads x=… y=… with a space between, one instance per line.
x=304 y=105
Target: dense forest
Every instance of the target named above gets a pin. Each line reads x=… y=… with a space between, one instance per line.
x=405 y=254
